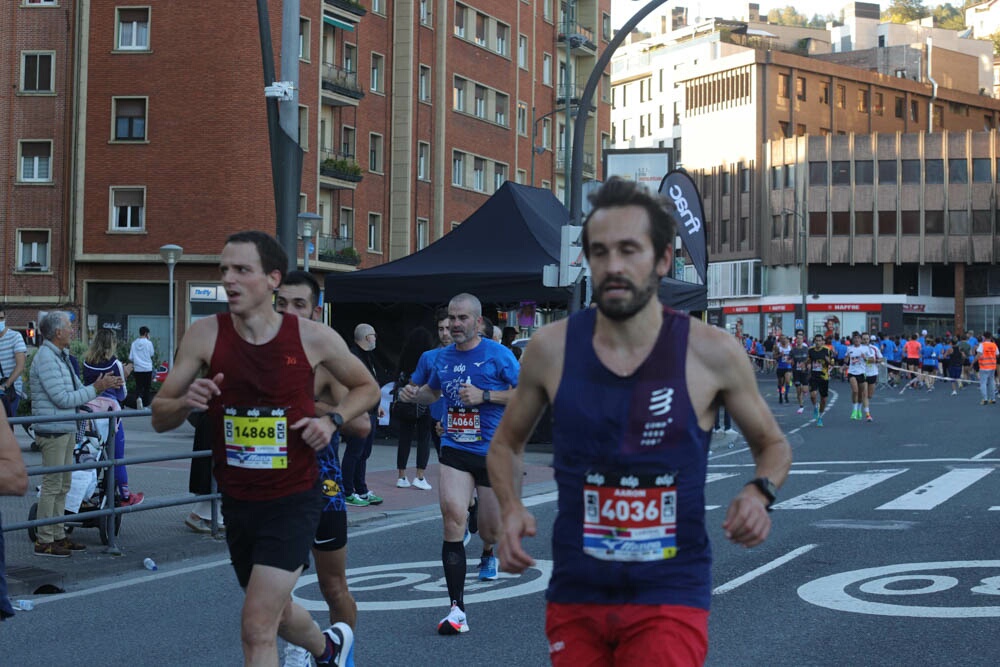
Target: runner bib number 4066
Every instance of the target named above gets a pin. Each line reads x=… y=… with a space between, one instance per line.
x=256 y=437
x=463 y=424
x=630 y=518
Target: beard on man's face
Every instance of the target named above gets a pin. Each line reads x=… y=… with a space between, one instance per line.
x=620 y=310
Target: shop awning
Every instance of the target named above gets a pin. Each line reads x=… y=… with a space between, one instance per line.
x=337 y=23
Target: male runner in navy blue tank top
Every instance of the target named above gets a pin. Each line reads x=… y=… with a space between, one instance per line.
x=633 y=413
x=258 y=392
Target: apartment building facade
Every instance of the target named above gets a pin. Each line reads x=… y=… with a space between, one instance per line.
x=411 y=114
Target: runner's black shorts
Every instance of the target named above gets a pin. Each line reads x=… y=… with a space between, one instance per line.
x=821 y=385
x=459 y=459
x=800 y=377
x=857 y=377
x=277 y=532
x=911 y=363
x=871 y=379
x=781 y=372
x=331 y=533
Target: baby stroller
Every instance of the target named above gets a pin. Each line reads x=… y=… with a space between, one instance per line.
x=89 y=489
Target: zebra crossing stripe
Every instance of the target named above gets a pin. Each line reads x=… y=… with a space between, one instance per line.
x=716 y=476
x=842 y=488
x=936 y=491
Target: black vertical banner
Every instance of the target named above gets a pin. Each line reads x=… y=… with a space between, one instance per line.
x=681 y=190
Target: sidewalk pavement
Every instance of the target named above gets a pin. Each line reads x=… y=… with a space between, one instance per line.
x=162 y=535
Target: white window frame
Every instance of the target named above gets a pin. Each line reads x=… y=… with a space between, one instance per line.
x=479 y=107
x=424 y=83
x=37 y=161
x=44 y=263
x=546 y=133
x=374 y=232
x=423 y=161
x=134 y=46
x=500 y=115
x=547 y=69
x=52 y=72
x=378 y=7
x=345 y=223
x=463 y=12
x=522 y=51
x=113 y=210
x=458 y=93
x=522 y=118
x=378 y=73
x=458 y=169
x=114 y=120
x=423 y=233
x=39 y=3
x=425 y=12
x=305 y=35
x=304 y=127
x=345 y=131
x=378 y=153
x=521 y=176
x=502 y=42
x=478 y=175
x=500 y=175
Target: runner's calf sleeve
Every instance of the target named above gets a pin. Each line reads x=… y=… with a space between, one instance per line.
x=453 y=558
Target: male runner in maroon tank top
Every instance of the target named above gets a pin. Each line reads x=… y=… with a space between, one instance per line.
x=258 y=392
x=598 y=422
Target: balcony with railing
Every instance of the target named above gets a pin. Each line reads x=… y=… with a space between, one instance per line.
x=340 y=86
x=338 y=170
x=580 y=38
x=568 y=90
x=588 y=162
x=349 y=6
x=337 y=250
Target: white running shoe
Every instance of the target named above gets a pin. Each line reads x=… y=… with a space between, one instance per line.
x=402 y=483
x=454 y=623
x=342 y=638
x=732 y=431
x=422 y=484
x=800 y=410
x=296 y=656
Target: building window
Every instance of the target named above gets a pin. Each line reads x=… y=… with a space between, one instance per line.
x=887 y=223
x=350 y=57
x=546 y=69
x=424 y=84
x=130 y=118
x=374 y=232
x=133 y=29
x=458 y=94
x=817 y=223
x=606 y=27
x=481 y=21
x=863 y=101
x=910 y=171
x=784 y=128
x=33 y=250
x=128 y=206
x=480 y=101
x=378 y=6
x=522 y=118
x=522 y=176
x=887 y=172
x=375 y=153
x=36 y=162
x=933 y=222
x=900 y=106
x=460 y=11
x=744 y=180
x=840 y=172
x=547 y=133
x=800 y=88
x=841 y=97
x=304 y=39
x=347 y=145
x=503 y=39
x=547 y=10
x=423 y=160
x=479 y=174
x=502 y=102
x=303 y=127
x=958 y=222
x=958 y=171
x=522 y=51
x=776 y=180
x=981 y=222
x=879 y=107
x=425 y=12
x=864 y=172
x=817 y=173
x=422 y=233
x=499 y=175
x=36 y=72
x=345 y=228
x=783 y=86
x=914 y=111
x=458 y=169
x=378 y=68
x=909 y=222
x=824 y=93
x=934 y=172
x=42 y=3
x=789 y=175
x=981 y=170
x=864 y=223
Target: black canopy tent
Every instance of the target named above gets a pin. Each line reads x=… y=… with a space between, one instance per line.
x=498 y=254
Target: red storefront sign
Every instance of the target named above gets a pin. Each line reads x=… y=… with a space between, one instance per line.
x=779 y=308
x=739 y=310
x=845 y=307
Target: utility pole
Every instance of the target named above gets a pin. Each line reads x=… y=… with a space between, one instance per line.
x=283 y=121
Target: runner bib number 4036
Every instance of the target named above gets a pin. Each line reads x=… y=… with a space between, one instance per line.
x=256 y=437
x=630 y=518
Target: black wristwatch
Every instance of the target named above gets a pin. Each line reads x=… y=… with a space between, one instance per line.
x=486 y=395
x=766 y=487
x=337 y=420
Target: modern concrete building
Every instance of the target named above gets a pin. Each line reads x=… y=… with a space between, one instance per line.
x=144 y=124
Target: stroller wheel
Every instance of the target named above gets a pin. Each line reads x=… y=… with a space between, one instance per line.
x=32 y=515
x=104 y=522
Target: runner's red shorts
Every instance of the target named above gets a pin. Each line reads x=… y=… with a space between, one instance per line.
x=592 y=635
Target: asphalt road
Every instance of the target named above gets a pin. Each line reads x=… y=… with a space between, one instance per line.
x=883 y=553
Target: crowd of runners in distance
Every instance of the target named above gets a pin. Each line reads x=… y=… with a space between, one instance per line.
x=916 y=361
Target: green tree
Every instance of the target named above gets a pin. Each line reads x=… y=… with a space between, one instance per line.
x=904 y=11
x=995 y=38
x=787 y=16
x=949 y=17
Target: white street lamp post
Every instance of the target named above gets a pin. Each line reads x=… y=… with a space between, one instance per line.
x=170 y=254
x=306 y=221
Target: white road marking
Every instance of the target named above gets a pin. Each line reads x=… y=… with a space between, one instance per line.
x=935 y=492
x=763 y=569
x=716 y=476
x=984 y=453
x=862 y=463
x=838 y=490
x=806 y=472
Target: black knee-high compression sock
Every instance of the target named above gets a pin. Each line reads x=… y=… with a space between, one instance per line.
x=453 y=558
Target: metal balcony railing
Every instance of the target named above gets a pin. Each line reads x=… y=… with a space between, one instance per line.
x=579 y=36
x=341 y=80
x=338 y=165
x=588 y=161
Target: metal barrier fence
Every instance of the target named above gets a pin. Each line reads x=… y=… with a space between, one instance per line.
x=110 y=514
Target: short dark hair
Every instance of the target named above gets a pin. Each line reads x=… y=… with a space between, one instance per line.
x=441 y=314
x=143 y=331
x=272 y=256
x=487 y=327
x=297 y=277
x=618 y=192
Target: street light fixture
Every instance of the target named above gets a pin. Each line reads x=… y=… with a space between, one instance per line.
x=306 y=221
x=538 y=150
x=171 y=254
